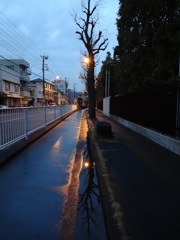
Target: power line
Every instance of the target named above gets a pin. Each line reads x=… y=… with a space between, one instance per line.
x=14 y=41
x=9 y=48
x=19 y=33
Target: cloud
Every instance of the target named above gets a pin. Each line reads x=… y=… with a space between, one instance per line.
x=50 y=26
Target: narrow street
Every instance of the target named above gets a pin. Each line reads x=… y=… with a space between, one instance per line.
x=39 y=186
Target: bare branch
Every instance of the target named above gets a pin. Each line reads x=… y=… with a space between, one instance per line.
x=83 y=20
x=91 y=13
x=97 y=40
x=101 y=47
x=85 y=12
x=93 y=24
x=82 y=38
x=80 y=26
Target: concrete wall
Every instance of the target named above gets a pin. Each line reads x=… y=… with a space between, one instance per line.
x=9 y=75
x=167 y=142
x=106 y=106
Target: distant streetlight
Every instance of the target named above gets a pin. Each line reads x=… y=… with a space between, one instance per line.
x=57 y=78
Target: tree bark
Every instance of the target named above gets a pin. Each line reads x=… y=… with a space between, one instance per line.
x=91 y=90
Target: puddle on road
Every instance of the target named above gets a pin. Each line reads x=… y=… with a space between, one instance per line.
x=89 y=220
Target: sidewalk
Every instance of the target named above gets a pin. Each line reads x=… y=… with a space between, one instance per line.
x=140 y=184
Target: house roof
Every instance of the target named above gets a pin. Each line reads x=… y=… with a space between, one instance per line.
x=37 y=80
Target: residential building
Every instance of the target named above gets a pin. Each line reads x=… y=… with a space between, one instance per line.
x=36 y=93
x=61 y=86
x=9 y=87
x=14 y=80
x=49 y=91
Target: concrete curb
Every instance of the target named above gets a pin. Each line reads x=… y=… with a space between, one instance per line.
x=10 y=151
x=113 y=233
x=167 y=142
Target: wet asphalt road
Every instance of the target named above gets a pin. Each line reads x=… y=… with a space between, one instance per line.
x=33 y=185
x=41 y=189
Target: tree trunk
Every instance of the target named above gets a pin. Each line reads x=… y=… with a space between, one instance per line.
x=91 y=91
x=93 y=45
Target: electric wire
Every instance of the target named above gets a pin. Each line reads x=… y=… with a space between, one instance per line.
x=9 y=48
x=15 y=42
x=19 y=33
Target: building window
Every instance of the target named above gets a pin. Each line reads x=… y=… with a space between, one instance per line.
x=16 y=88
x=7 y=86
x=11 y=67
x=32 y=93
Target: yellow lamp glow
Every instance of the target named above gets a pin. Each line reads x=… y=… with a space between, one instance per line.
x=86 y=60
x=86 y=164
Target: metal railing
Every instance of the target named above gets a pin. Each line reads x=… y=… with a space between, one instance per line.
x=19 y=123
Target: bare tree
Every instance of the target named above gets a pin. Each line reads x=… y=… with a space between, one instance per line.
x=84 y=75
x=94 y=43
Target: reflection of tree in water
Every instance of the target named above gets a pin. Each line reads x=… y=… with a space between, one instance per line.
x=87 y=199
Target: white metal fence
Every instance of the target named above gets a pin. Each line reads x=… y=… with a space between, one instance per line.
x=18 y=123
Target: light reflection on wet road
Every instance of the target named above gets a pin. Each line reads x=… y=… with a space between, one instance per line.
x=47 y=194
x=89 y=220
x=31 y=184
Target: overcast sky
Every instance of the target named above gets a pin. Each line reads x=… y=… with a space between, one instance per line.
x=46 y=27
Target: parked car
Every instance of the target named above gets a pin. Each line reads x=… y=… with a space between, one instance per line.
x=52 y=104
x=3 y=106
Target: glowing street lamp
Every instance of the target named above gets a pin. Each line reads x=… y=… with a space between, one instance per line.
x=86 y=164
x=86 y=60
x=57 y=78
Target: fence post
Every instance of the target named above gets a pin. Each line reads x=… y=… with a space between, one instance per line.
x=61 y=111
x=54 y=112
x=1 y=130
x=45 y=117
x=26 y=123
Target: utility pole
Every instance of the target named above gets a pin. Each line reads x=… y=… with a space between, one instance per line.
x=74 y=89
x=43 y=78
x=107 y=84
x=66 y=85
